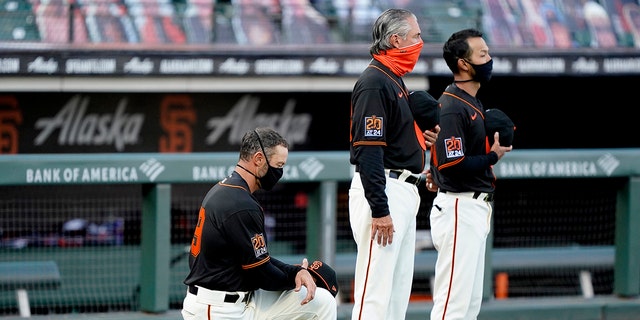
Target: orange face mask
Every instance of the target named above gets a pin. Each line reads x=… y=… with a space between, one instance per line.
x=401 y=60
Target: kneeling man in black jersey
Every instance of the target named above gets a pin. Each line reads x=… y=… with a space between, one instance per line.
x=232 y=275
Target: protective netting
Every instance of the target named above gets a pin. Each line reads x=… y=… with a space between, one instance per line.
x=92 y=232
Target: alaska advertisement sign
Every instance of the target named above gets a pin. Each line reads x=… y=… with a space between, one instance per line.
x=32 y=123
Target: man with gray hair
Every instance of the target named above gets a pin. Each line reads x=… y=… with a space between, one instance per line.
x=388 y=151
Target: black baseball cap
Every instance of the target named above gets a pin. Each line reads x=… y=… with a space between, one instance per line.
x=425 y=109
x=325 y=276
x=497 y=120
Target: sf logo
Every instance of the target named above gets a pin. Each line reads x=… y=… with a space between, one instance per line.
x=177 y=115
x=10 y=118
x=315 y=265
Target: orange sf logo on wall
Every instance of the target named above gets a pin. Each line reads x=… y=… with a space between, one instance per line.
x=176 y=118
x=10 y=118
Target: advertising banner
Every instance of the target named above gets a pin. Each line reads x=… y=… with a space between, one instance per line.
x=32 y=123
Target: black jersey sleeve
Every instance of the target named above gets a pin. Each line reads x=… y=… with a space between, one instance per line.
x=245 y=230
x=274 y=275
x=371 y=171
x=472 y=164
x=263 y=271
x=369 y=137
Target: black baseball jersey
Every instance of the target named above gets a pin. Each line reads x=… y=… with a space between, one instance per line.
x=383 y=132
x=461 y=160
x=229 y=247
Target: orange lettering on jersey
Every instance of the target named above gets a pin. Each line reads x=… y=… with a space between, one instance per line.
x=453 y=144
x=259 y=244
x=373 y=123
x=373 y=126
x=258 y=241
x=453 y=147
x=196 y=242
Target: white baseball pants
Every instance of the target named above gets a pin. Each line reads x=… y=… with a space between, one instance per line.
x=383 y=275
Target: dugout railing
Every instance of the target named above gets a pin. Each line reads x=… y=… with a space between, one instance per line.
x=158 y=172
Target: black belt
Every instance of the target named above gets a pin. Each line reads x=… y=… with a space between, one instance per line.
x=415 y=180
x=395 y=174
x=485 y=196
x=229 y=297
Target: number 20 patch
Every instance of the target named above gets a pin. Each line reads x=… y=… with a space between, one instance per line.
x=259 y=244
x=373 y=126
x=453 y=147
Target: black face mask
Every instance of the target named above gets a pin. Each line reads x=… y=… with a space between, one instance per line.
x=269 y=180
x=273 y=175
x=482 y=71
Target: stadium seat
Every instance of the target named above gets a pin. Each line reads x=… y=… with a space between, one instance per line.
x=156 y=21
x=17 y=21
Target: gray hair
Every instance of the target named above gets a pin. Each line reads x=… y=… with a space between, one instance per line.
x=252 y=140
x=390 y=22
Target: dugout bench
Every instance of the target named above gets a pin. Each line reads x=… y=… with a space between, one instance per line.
x=28 y=275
